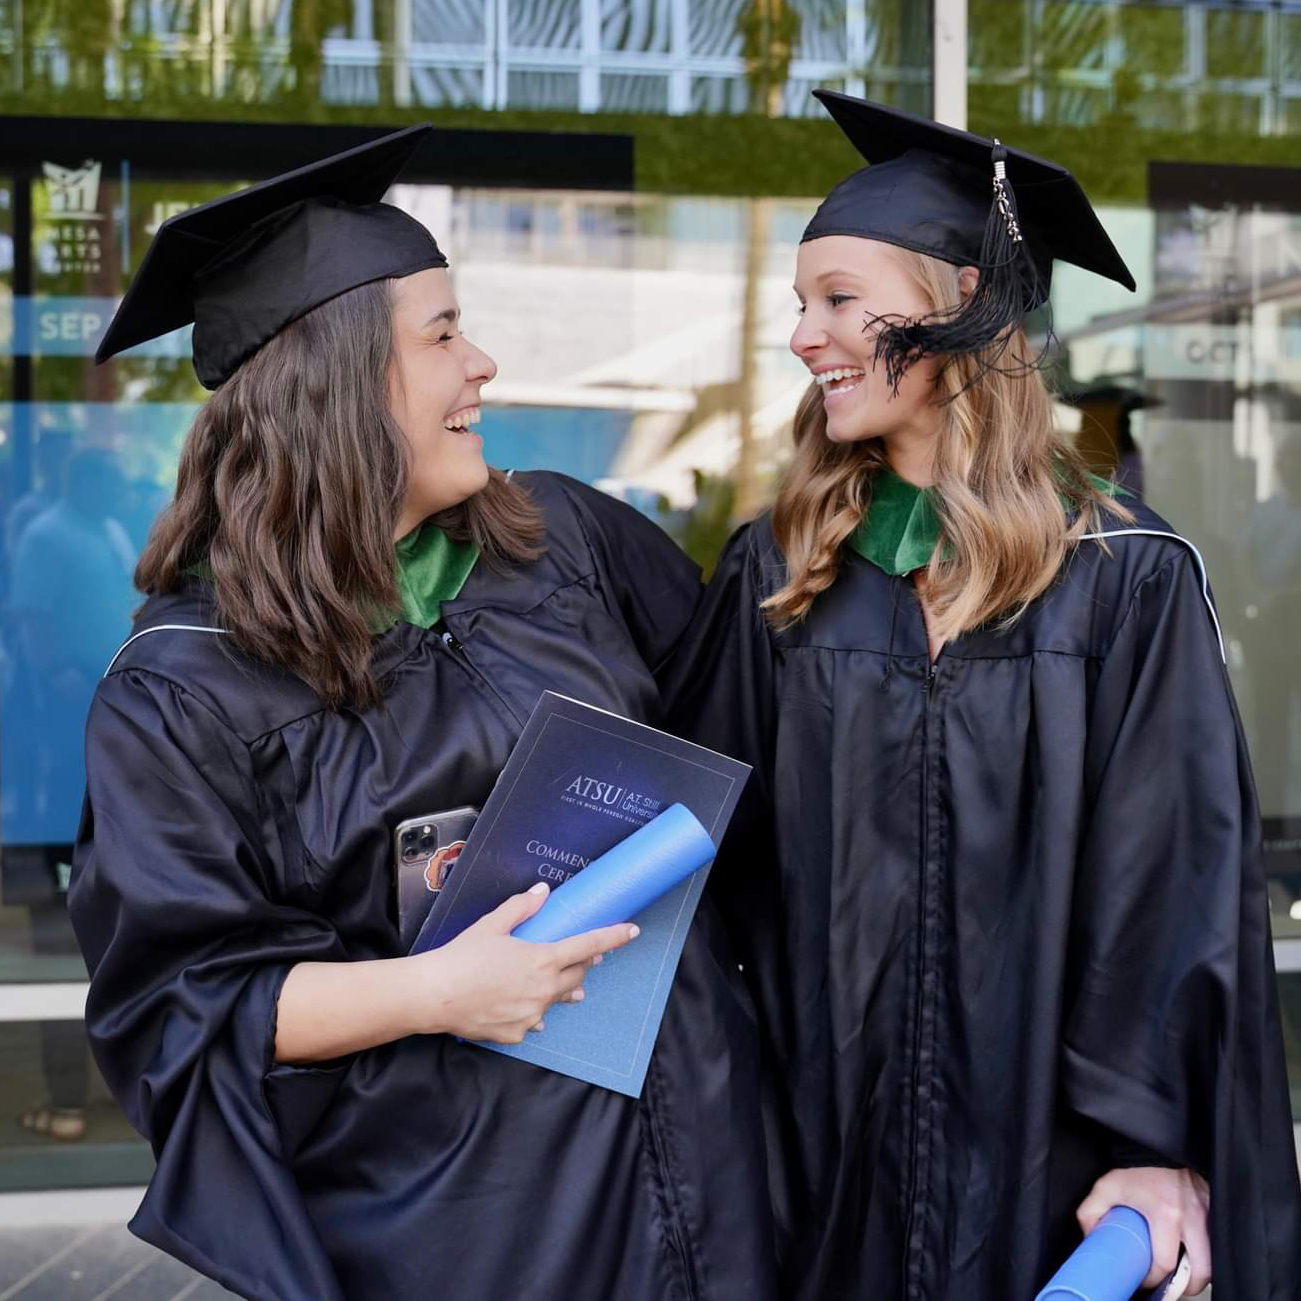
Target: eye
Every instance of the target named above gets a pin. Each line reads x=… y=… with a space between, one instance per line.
x=799 y=309
x=838 y=300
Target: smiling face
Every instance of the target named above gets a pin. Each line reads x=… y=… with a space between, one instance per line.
x=434 y=380
x=843 y=282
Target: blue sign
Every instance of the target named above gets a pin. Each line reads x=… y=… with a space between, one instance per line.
x=73 y=327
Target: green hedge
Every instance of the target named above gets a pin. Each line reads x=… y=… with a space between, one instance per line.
x=743 y=154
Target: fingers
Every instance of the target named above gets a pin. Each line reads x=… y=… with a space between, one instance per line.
x=591 y=944
x=517 y=909
x=1197 y=1244
x=1165 y=1248
x=1167 y=1200
x=1093 y=1208
x=1200 y=1276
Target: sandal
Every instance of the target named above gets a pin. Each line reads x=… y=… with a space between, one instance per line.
x=67 y=1124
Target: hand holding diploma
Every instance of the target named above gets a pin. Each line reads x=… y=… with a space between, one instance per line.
x=489 y=985
x=484 y=985
x=1120 y=1254
x=1174 y=1203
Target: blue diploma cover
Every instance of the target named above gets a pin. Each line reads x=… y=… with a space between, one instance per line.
x=622 y=821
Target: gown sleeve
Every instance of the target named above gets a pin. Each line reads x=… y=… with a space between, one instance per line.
x=654 y=585
x=1171 y=1037
x=173 y=905
x=720 y=692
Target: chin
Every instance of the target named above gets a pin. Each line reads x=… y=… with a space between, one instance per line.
x=845 y=433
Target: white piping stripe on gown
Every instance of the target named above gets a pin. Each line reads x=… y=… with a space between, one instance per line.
x=1197 y=555
x=162 y=627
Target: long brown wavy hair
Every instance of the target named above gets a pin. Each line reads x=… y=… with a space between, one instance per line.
x=291 y=483
x=1004 y=480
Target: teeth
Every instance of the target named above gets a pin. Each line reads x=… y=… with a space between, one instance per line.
x=835 y=376
x=463 y=418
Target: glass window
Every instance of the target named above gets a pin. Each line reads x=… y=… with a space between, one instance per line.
x=61 y=1128
x=1235 y=44
x=1154 y=39
x=533 y=89
x=88 y=456
x=549 y=24
x=1215 y=70
x=634 y=93
x=1156 y=107
x=1210 y=354
x=1288 y=46
x=642 y=25
x=641 y=393
x=1071 y=36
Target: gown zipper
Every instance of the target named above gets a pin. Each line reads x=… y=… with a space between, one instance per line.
x=674 y=1226
x=911 y=1266
x=457 y=650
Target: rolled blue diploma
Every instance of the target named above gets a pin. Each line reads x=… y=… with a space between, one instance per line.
x=1109 y=1264
x=625 y=879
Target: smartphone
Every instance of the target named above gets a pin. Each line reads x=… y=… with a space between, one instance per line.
x=1176 y=1284
x=425 y=850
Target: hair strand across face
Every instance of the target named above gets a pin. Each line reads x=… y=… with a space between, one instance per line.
x=1005 y=482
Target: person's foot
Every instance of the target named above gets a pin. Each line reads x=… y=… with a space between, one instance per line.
x=68 y=1124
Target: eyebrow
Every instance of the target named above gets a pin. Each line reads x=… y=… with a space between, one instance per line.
x=448 y=314
x=831 y=275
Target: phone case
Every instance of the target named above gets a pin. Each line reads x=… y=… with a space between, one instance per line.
x=425 y=850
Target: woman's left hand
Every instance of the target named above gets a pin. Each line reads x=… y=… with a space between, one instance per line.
x=1174 y=1203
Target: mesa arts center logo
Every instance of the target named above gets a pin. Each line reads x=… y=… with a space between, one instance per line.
x=74 y=243
x=73 y=191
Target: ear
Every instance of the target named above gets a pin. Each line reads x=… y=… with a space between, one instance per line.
x=967 y=278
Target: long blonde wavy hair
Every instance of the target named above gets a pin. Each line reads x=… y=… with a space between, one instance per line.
x=1002 y=475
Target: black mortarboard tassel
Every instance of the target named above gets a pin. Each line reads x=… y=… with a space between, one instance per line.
x=969 y=201
x=246 y=265
x=1008 y=289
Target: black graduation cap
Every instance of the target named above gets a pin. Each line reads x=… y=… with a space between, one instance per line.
x=244 y=266
x=969 y=201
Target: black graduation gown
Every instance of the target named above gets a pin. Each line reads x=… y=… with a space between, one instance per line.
x=234 y=827
x=1005 y=921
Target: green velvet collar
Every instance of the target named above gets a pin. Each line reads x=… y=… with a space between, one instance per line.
x=901 y=530
x=431 y=569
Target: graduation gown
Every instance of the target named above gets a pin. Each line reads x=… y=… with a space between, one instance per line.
x=235 y=827
x=1003 y=917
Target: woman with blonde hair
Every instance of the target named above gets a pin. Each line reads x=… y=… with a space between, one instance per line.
x=998 y=892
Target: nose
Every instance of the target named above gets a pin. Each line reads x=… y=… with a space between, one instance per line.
x=807 y=338
x=479 y=367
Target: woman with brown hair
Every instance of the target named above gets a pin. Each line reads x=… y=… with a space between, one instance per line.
x=998 y=894
x=350 y=618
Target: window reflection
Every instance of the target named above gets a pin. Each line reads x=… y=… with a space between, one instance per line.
x=80 y=1140
x=1212 y=351
x=672 y=387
